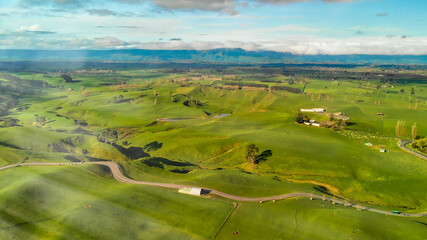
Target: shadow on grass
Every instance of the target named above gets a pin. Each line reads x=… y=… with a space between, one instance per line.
x=158 y=162
x=132 y=152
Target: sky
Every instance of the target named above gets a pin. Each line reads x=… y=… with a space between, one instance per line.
x=389 y=27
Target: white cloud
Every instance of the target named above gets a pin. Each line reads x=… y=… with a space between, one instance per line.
x=209 y=5
x=304 y=45
x=32 y=28
x=198 y=45
x=359 y=45
x=296 y=1
x=310 y=46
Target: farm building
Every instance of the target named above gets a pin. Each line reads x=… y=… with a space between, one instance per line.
x=318 y=110
x=368 y=144
x=191 y=191
x=383 y=150
x=344 y=118
x=312 y=123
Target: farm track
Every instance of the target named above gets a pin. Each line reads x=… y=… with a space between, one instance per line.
x=118 y=175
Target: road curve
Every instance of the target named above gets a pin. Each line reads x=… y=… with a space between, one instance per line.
x=403 y=145
x=118 y=175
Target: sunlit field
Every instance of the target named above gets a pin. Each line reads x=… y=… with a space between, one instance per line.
x=194 y=127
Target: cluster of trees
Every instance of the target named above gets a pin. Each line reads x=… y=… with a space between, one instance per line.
x=300 y=118
x=7 y=105
x=67 y=78
x=253 y=157
x=118 y=99
x=420 y=145
x=332 y=123
x=258 y=85
x=40 y=119
x=412 y=90
x=271 y=80
x=20 y=81
x=338 y=124
x=401 y=130
x=108 y=136
x=10 y=122
x=286 y=88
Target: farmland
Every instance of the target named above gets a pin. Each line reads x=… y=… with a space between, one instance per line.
x=193 y=126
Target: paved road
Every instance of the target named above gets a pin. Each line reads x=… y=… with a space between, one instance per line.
x=118 y=175
x=403 y=144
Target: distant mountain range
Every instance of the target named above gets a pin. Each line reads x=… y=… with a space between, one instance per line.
x=235 y=56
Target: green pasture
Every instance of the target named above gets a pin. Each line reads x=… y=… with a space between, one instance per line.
x=200 y=149
x=305 y=219
x=86 y=203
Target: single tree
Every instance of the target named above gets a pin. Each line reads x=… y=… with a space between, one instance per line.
x=299 y=118
x=252 y=153
x=414 y=131
x=42 y=119
x=67 y=78
x=398 y=128
x=401 y=129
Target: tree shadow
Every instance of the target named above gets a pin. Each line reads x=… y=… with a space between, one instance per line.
x=158 y=162
x=132 y=152
x=263 y=156
x=153 y=146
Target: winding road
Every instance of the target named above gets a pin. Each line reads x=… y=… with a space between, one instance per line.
x=118 y=175
x=403 y=145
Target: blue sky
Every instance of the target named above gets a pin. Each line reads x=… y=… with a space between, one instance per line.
x=297 y=26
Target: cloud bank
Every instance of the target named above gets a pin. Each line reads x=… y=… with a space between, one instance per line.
x=223 y=6
x=386 y=45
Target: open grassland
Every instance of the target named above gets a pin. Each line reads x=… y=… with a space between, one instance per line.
x=182 y=128
x=305 y=219
x=87 y=203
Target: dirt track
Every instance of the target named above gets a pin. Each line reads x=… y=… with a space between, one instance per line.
x=118 y=175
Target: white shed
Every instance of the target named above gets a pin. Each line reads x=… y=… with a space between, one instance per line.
x=191 y=191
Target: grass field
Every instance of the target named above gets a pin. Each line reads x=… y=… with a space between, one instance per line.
x=86 y=203
x=183 y=128
x=305 y=219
